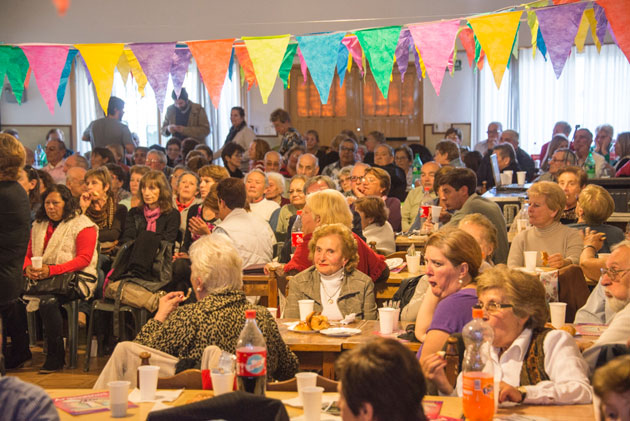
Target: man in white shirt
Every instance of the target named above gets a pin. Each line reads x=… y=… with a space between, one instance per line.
x=582 y=142
x=55 y=151
x=494 y=133
x=616 y=284
x=249 y=234
x=256 y=182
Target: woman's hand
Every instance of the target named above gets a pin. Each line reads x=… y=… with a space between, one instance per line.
x=197 y=226
x=180 y=255
x=31 y=273
x=42 y=273
x=168 y=303
x=593 y=238
x=509 y=393
x=556 y=261
x=84 y=201
x=433 y=369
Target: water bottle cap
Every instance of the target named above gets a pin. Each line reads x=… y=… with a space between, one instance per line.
x=299 y=212
x=250 y=314
x=477 y=313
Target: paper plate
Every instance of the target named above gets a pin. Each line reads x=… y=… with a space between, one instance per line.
x=394 y=262
x=340 y=331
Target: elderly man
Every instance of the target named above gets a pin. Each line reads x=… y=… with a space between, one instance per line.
x=156 y=160
x=272 y=161
x=582 y=142
x=256 y=182
x=524 y=160
x=249 y=234
x=560 y=159
x=506 y=158
x=110 y=129
x=572 y=180
x=411 y=205
x=356 y=179
x=447 y=153
x=75 y=181
x=372 y=141
x=603 y=139
x=384 y=159
x=494 y=133
x=185 y=119
x=75 y=160
x=55 y=151
x=347 y=151
x=615 y=281
x=560 y=127
x=308 y=165
x=281 y=121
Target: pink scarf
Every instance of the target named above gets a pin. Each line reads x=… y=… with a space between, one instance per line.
x=151 y=216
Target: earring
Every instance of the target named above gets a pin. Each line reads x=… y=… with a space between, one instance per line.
x=461 y=281
x=199 y=289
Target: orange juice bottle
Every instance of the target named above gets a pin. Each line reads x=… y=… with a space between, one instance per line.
x=478 y=396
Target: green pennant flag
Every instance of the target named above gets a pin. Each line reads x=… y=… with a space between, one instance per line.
x=287 y=64
x=379 y=45
x=14 y=64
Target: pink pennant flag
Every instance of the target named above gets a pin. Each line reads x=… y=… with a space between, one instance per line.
x=155 y=58
x=47 y=63
x=435 y=41
x=353 y=45
x=302 y=64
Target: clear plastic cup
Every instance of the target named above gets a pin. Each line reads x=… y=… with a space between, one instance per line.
x=305 y=380
x=118 y=395
x=148 y=381
x=312 y=403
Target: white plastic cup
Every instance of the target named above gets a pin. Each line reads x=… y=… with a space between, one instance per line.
x=273 y=311
x=222 y=382
x=312 y=403
x=520 y=177
x=386 y=319
x=306 y=308
x=305 y=380
x=118 y=395
x=148 y=381
x=530 y=260
x=508 y=175
x=36 y=262
x=395 y=319
x=558 y=313
x=413 y=263
x=506 y=178
x=435 y=214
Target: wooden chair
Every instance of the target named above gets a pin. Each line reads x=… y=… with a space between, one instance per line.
x=187 y=379
x=291 y=385
x=400 y=254
x=263 y=286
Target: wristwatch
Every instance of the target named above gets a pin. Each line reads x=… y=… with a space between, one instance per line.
x=523 y=391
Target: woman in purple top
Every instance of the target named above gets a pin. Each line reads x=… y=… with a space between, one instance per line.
x=453 y=258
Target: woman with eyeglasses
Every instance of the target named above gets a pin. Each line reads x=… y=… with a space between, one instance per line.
x=537 y=365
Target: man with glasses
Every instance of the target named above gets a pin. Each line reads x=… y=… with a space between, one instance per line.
x=615 y=281
x=561 y=159
x=347 y=151
x=494 y=133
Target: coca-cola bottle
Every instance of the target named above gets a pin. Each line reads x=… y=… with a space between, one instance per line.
x=251 y=357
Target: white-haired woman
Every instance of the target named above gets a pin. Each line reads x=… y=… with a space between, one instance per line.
x=217 y=318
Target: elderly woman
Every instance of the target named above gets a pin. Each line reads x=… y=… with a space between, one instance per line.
x=537 y=365
x=329 y=207
x=182 y=333
x=345 y=180
x=187 y=189
x=611 y=384
x=333 y=282
x=571 y=180
x=135 y=175
x=276 y=188
x=374 y=223
x=390 y=365
x=66 y=240
x=377 y=182
x=561 y=243
x=622 y=149
x=297 y=200
x=403 y=158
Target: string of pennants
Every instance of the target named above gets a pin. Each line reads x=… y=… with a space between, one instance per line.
x=554 y=29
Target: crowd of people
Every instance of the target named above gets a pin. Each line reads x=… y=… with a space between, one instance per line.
x=346 y=201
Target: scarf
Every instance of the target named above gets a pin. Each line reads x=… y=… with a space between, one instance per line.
x=181 y=206
x=104 y=218
x=234 y=131
x=151 y=216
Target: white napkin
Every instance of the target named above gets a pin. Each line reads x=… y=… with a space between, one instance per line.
x=296 y=403
x=160 y=396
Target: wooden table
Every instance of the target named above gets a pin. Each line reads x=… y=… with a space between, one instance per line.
x=403 y=242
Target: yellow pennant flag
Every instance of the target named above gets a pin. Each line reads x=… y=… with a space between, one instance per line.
x=590 y=15
x=496 y=35
x=580 y=37
x=532 y=21
x=349 y=62
x=266 y=54
x=422 y=68
x=101 y=60
x=123 y=68
x=136 y=71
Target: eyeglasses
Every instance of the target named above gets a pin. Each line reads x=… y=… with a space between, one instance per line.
x=296 y=191
x=153 y=161
x=492 y=307
x=356 y=178
x=346 y=149
x=613 y=274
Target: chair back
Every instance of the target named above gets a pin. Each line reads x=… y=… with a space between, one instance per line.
x=262 y=285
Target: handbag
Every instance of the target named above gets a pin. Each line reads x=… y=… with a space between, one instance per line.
x=72 y=285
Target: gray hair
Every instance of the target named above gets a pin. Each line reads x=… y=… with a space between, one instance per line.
x=347 y=170
x=216 y=263
x=278 y=178
x=607 y=128
x=187 y=172
x=161 y=155
x=624 y=243
x=310 y=155
x=498 y=123
x=80 y=161
x=259 y=171
x=325 y=178
x=277 y=153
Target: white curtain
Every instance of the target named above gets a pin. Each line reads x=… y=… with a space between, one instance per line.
x=140 y=112
x=493 y=104
x=88 y=108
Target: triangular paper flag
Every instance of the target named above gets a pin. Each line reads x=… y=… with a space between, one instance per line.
x=231 y=65
x=179 y=68
x=496 y=34
x=320 y=53
x=402 y=52
x=61 y=6
x=27 y=79
x=155 y=59
x=559 y=25
x=123 y=68
x=435 y=41
x=585 y=24
x=515 y=46
x=379 y=45
x=602 y=24
x=532 y=21
x=352 y=44
x=466 y=37
x=266 y=54
x=592 y=22
x=65 y=75
x=287 y=64
x=342 y=63
x=246 y=64
x=14 y=63
x=557 y=2
x=420 y=65
x=303 y=66
x=136 y=71
x=213 y=59
x=618 y=14
x=47 y=63
x=101 y=60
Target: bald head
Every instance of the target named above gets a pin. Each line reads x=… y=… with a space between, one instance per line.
x=511 y=137
x=308 y=165
x=75 y=180
x=75 y=160
x=273 y=161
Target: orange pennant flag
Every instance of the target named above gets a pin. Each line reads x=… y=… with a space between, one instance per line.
x=213 y=60
x=618 y=14
x=62 y=6
x=246 y=64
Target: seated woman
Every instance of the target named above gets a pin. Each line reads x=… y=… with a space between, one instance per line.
x=611 y=384
x=67 y=242
x=187 y=189
x=232 y=155
x=333 y=282
x=297 y=200
x=391 y=366
x=377 y=182
x=538 y=365
x=275 y=190
x=561 y=243
x=558 y=141
x=376 y=229
x=135 y=175
x=209 y=175
x=622 y=150
x=182 y=333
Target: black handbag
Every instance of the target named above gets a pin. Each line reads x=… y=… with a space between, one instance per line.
x=71 y=285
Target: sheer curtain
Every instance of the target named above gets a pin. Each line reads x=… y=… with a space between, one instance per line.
x=492 y=104
x=88 y=108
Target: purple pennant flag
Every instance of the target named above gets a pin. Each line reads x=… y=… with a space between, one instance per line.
x=612 y=35
x=602 y=22
x=87 y=71
x=402 y=52
x=155 y=60
x=179 y=68
x=559 y=25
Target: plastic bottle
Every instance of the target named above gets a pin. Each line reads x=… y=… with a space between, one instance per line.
x=425 y=207
x=589 y=165
x=251 y=357
x=521 y=221
x=40 y=156
x=297 y=236
x=478 y=399
x=416 y=168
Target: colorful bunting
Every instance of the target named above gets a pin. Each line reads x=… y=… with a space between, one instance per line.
x=266 y=54
x=588 y=20
x=343 y=59
x=466 y=37
x=213 y=59
x=532 y=22
x=402 y=52
x=179 y=68
x=65 y=75
x=155 y=58
x=354 y=48
x=602 y=24
x=379 y=45
x=303 y=66
x=320 y=53
x=559 y=25
x=27 y=79
x=47 y=63
x=246 y=65
x=14 y=64
x=435 y=42
x=540 y=44
x=101 y=60
x=123 y=68
x=61 y=6
x=496 y=36
x=618 y=14
x=136 y=71
x=287 y=64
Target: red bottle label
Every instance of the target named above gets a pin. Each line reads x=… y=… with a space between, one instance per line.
x=297 y=238
x=426 y=210
x=251 y=363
